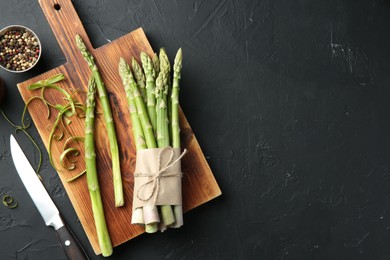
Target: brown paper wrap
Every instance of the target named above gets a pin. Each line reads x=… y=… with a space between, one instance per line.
x=157 y=177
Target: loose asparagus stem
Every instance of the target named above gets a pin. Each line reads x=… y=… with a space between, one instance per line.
x=117 y=178
x=139 y=77
x=142 y=125
x=163 y=133
x=150 y=74
x=92 y=179
x=175 y=127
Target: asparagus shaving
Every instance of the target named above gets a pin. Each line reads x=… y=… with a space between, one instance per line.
x=76 y=176
x=65 y=112
x=53 y=79
x=117 y=178
x=38 y=149
x=57 y=137
x=23 y=129
x=68 y=151
x=65 y=151
x=71 y=108
x=26 y=106
x=9 y=202
x=92 y=178
x=44 y=85
x=55 y=127
x=71 y=151
x=75 y=139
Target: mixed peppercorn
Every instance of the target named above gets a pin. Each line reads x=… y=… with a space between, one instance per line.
x=19 y=50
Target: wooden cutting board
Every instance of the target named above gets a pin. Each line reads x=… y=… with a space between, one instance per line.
x=199 y=184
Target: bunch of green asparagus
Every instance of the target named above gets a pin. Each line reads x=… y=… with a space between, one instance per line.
x=153 y=99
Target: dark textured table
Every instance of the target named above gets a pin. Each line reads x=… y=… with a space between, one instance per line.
x=290 y=101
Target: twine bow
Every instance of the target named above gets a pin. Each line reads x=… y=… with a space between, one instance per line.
x=156 y=176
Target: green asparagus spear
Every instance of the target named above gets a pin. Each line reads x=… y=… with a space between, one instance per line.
x=165 y=67
x=139 y=77
x=175 y=127
x=162 y=115
x=175 y=99
x=163 y=129
x=156 y=64
x=150 y=74
x=162 y=90
x=92 y=178
x=139 y=137
x=118 y=189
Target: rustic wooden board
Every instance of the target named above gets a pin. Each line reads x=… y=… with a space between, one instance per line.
x=199 y=184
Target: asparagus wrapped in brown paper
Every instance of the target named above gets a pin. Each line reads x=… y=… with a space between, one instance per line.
x=157 y=188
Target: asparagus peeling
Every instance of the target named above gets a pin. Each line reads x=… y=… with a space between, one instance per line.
x=92 y=178
x=117 y=178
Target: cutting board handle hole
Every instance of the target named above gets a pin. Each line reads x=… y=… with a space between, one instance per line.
x=57 y=7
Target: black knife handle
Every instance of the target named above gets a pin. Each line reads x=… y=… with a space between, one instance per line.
x=71 y=246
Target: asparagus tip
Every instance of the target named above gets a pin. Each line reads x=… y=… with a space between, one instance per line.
x=178 y=60
x=122 y=64
x=143 y=55
x=136 y=67
x=80 y=43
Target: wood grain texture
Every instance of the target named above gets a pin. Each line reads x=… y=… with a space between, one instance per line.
x=199 y=184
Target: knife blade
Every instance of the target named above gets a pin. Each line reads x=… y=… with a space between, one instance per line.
x=44 y=203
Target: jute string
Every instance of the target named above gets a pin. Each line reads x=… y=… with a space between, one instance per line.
x=156 y=176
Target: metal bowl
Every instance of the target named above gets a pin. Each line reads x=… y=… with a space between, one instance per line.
x=23 y=29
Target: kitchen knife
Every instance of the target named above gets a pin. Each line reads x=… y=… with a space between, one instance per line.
x=44 y=203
